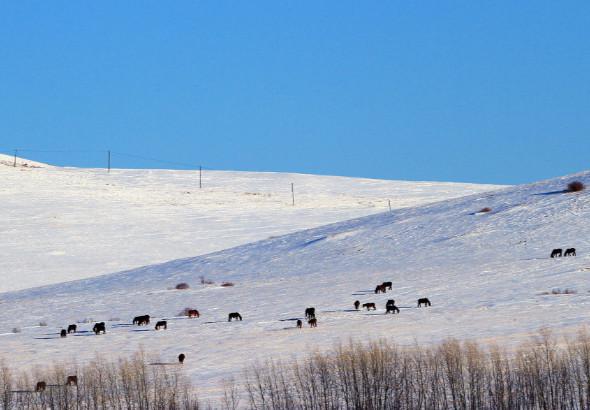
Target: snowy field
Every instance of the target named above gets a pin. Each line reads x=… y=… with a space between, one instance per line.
x=488 y=275
x=60 y=224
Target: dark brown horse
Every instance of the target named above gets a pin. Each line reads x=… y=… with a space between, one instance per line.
x=41 y=386
x=391 y=309
x=234 y=315
x=570 y=252
x=161 y=324
x=63 y=333
x=99 y=327
x=424 y=301
x=193 y=313
x=72 y=381
x=181 y=358
x=72 y=328
x=141 y=320
x=313 y=322
x=388 y=285
x=369 y=306
x=310 y=312
x=357 y=304
x=380 y=289
x=299 y=324
x=556 y=253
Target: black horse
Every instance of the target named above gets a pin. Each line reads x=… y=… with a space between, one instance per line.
x=72 y=328
x=310 y=313
x=161 y=324
x=389 y=303
x=299 y=324
x=99 y=327
x=380 y=289
x=234 y=315
x=391 y=309
x=424 y=301
x=313 y=322
x=63 y=333
x=357 y=304
x=141 y=320
x=369 y=306
x=181 y=358
x=556 y=253
x=388 y=285
x=570 y=252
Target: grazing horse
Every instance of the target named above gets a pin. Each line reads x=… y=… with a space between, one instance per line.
x=369 y=306
x=313 y=322
x=161 y=324
x=234 y=315
x=388 y=285
x=181 y=358
x=72 y=381
x=299 y=324
x=556 y=253
x=357 y=304
x=193 y=313
x=380 y=289
x=310 y=313
x=63 y=333
x=72 y=328
x=99 y=327
x=391 y=309
x=570 y=252
x=41 y=386
x=390 y=302
x=141 y=320
x=424 y=301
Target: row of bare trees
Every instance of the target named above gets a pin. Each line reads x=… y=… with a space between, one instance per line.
x=125 y=384
x=542 y=374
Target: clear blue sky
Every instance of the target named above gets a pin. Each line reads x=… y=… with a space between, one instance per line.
x=482 y=91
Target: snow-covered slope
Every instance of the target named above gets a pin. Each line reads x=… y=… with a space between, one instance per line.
x=59 y=224
x=485 y=273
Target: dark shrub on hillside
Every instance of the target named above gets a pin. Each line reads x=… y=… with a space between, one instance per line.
x=227 y=284
x=182 y=286
x=486 y=209
x=575 y=186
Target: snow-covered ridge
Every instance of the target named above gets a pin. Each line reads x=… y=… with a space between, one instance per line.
x=59 y=224
x=487 y=275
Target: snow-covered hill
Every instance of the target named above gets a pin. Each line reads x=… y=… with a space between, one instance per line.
x=59 y=224
x=487 y=275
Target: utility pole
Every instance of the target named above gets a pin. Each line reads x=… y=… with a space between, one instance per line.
x=15 y=152
x=293 y=193
x=389 y=202
x=109 y=161
x=200 y=177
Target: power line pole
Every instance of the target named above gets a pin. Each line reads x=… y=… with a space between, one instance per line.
x=200 y=177
x=293 y=193
x=389 y=202
x=15 y=152
x=109 y=161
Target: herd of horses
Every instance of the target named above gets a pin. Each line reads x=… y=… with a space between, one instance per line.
x=558 y=253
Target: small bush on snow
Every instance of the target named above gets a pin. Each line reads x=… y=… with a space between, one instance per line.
x=575 y=186
x=486 y=209
x=182 y=286
x=227 y=284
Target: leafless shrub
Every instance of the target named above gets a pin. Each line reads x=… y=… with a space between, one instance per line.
x=486 y=209
x=182 y=286
x=185 y=311
x=102 y=384
x=558 y=291
x=42 y=323
x=539 y=375
x=575 y=186
x=16 y=330
x=227 y=284
x=205 y=281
